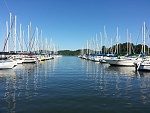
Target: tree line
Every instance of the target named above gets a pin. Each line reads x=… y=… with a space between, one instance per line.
x=69 y=52
x=120 y=49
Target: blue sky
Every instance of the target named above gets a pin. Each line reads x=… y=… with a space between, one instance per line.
x=70 y=23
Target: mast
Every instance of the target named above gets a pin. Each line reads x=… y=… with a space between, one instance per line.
x=119 y=45
x=127 y=43
x=82 y=51
x=111 y=47
x=87 y=48
x=46 y=45
x=117 y=39
x=142 y=40
x=51 y=46
x=105 y=39
x=7 y=34
x=20 y=39
x=41 y=47
x=15 y=34
x=97 y=50
x=28 y=40
x=130 y=44
x=144 y=36
x=10 y=30
x=101 y=42
x=36 y=39
x=54 y=48
x=95 y=45
x=29 y=37
x=23 y=41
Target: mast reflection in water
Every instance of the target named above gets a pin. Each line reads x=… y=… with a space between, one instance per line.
x=73 y=85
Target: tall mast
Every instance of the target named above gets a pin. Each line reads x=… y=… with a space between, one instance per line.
x=111 y=47
x=46 y=45
x=105 y=38
x=29 y=37
x=117 y=39
x=127 y=42
x=51 y=46
x=142 y=40
x=15 y=35
x=101 y=42
x=130 y=44
x=28 y=40
x=87 y=47
x=10 y=30
x=54 y=48
x=23 y=41
x=97 y=44
x=20 y=49
x=41 y=47
x=36 y=39
x=7 y=34
x=93 y=47
x=144 y=36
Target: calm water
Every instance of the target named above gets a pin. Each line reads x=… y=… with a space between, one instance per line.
x=73 y=85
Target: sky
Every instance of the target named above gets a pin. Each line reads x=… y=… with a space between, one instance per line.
x=70 y=23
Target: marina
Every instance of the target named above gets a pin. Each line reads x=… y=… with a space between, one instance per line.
x=100 y=62
x=80 y=86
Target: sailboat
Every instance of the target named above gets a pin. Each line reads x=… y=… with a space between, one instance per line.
x=144 y=65
x=125 y=60
x=29 y=58
x=7 y=64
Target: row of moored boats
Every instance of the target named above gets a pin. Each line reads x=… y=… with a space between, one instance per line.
x=13 y=60
x=140 y=62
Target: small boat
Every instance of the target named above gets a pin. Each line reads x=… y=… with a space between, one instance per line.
x=29 y=60
x=43 y=59
x=19 y=60
x=143 y=65
x=123 y=61
x=107 y=57
x=103 y=59
x=7 y=64
x=97 y=58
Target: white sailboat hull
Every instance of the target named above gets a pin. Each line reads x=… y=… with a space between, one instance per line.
x=7 y=64
x=143 y=66
x=121 y=62
x=19 y=61
x=29 y=60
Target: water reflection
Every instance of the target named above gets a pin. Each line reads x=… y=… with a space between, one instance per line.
x=144 y=86
x=54 y=84
x=8 y=87
x=143 y=74
x=127 y=71
x=120 y=82
x=23 y=83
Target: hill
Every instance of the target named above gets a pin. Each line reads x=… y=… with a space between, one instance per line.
x=69 y=52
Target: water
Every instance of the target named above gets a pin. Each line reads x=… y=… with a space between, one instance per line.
x=73 y=85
